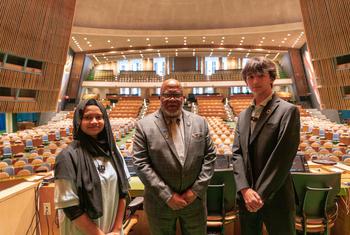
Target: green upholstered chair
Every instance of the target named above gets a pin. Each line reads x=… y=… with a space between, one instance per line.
x=221 y=200
x=317 y=208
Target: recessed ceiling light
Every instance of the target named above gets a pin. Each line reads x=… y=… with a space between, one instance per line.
x=261 y=41
x=260 y=45
x=263 y=38
x=166 y=38
x=128 y=40
x=212 y=42
x=241 y=41
x=273 y=40
x=242 y=37
x=185 y=37
x=130 y=46
x=112 y=46
x=240 y=44
x=166 y=41
x=221 y=44
x=203 y=37
x=85 y=39
x=108 y=40
x=149 y=45
x=147 y=39
x=90 y=45
x=285 y=39
x=203 y=40
x=288 y=34
x=158 y=50
x=88 y=42
x=175 y=49
x=222 y=37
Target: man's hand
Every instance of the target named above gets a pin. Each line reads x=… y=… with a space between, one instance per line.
x=176 y=202
x=252 y=199
x=189 y=196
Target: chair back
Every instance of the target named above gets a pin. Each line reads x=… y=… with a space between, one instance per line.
x=215 y=200
x=316 y=193
x=225 y=177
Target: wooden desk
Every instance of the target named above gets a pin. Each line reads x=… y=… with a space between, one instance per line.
x=17 y=206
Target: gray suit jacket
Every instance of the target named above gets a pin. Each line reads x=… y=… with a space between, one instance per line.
x=158 y=165
x=263 y=159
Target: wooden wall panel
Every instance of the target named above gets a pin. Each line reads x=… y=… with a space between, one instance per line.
x=299 y=73
x=39 y=30
x=75 y=75
x=327 y=30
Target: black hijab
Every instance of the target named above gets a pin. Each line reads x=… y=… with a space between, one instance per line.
x=76 y=161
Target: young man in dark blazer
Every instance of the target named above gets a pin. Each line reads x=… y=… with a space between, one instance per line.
x=266 y=141
x=174 y=157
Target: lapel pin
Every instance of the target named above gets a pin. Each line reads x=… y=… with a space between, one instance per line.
x=268 y=111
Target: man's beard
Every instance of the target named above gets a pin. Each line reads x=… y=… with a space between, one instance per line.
x=177 y=113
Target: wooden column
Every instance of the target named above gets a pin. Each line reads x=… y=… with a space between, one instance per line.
x=327 y=30
x=38 y=30
x=299 y=73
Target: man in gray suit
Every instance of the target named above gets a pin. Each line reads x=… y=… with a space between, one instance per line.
x=174 y=158
x=266 y=141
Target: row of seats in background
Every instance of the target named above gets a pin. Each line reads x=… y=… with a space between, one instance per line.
x=190 y=76
x=24 y=166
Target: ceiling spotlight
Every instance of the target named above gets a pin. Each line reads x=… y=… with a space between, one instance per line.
x=242 y=37
x=85 y=39
x=240 y=44
x=222 y=38
x=166 y=41
x=148 y=45
x=112 y=46
x=263 y=38
x=108 y=40
x=203 y=40
x=283 y=42
x=166 y=38
x=241 y=41
x=261 y=41
x=130 y=46
x=288 y=35
x=185 y=38
x=147 y=39
x=158 y=50
x=273 y=40
x=90 y=45
x=128 y=40
x=88 y=42
x=203 y=37
x=285 y=39
x=212 y=42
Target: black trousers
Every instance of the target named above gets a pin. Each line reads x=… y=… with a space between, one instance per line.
x=278 y=220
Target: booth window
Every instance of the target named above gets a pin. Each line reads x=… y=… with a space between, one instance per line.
x=346 y=92
x=15 y=62
x=343 y=62
x=34 y=66
x=2 y=57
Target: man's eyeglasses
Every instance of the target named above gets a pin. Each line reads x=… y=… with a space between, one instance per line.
x=172 y=95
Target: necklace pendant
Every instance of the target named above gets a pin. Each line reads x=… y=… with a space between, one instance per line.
x=101 y=168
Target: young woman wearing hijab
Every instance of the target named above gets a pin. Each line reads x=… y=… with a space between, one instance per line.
x=90 y=180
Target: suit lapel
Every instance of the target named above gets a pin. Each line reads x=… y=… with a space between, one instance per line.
x=163 y=129
x=187 y=121
x=266 y=113
x=245 y=125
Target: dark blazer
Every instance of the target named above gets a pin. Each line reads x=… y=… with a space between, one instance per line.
x=158 y=165
x=262 y=160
